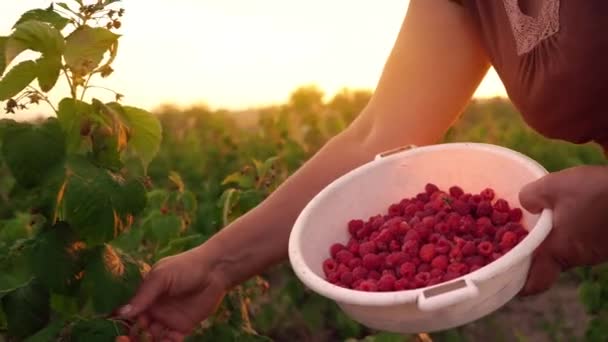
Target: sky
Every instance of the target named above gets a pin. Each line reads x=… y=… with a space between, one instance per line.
x=238 y=54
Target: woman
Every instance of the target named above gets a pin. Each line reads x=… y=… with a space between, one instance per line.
x=550 y=55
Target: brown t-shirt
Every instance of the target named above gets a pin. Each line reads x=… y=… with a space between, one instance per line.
x=552 y=56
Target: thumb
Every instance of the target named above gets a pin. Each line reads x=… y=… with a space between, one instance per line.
x=535 y=196
x=149 y=291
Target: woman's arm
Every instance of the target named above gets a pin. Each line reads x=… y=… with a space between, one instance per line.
x=435 y=66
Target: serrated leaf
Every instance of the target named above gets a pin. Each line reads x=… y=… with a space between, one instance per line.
x=71 y=114
x=19 y=77
x=49 y=67
x=47 y=334
x=2 y=55
x=27 y=310
x=96 y=330
x=86 y=46
x=44 y=15
x=63 y=5
x=98 y=203
x=145 y=133
x=37 y=36
x=590 y=295
x=56 y=258
x=31 y=151
x=111 y=279
x=160 y=228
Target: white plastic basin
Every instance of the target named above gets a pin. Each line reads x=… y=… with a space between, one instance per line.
x=371 y=188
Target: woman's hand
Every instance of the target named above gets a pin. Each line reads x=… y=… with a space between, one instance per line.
x=579 y=199
x=176 y=295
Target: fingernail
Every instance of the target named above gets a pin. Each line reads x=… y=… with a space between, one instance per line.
x=126 y=309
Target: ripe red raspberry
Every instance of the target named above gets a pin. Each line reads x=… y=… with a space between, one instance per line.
x=475 y=199
x=435 y=237
x=335 y=248
x=484 y=208
x=411 y=248
x=407 y=270
x=499 y=218
x=342 y=268
x=354 y=262
x=469 y=248
x=441 y=215
x=453 y=221
x=394 y=210
x=440 y=262
x=389 y=271
x=466 y=225
x=363 y=233
x=435 y=272
x=431 y=188
x=427 y=252
x=368 y=286
x=329 y=265
x=356 y=283
x=458 y=268
x=450 y=275
x=442 y=228
x=344 y=256
x=429 y=222
x=474 y=268
x=485 y=248
x=501 y=205
x=375 y=275
x=422 y=231
x=443 y=246
x=360 y=272
x=346 y=278
x=495 y=256
x=423 y=197
x=461 y=207
x=475 y=260
x=499 y=233
x=410 y=210
x=394 y=246
x=435 y=280
x=508 y=241
x=466 y=197
x=456 y=191
x=401 y=284
x=367 y=248
x=516 y=214
x=354 y=226
x=382 y=256
x=353 y=245
x=422 y=279
x=386 y=282
x=371 y=261
x=333 y=277
x=487 y=194
x=521 y=233
x=455 y=254
x=412 y=234
x=402 y=229
x=424 y=267
x=395 y=259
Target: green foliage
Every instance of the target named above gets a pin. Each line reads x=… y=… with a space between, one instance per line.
x=27 y=309
x=97 y=330
x=17 y=79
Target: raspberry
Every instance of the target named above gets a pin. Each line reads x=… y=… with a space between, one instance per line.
x=434 y=238
x=456 y=191
x=466 y=197
x=458 y=268
x=410 y=210
x=402 y=229
x=442 y=228
x=440 y=262
x=401 y=284
x=466 y=225
x=515 y=214
x=329 y=265
x=450 y=275
x=495 y=256
x=394 y=246
x=429 y=222
x=430 y=188
x=386 y=282
x=469 y=248
x=443 y=246
x=411 y=235
x=424 y=268
x=356 y=283
x=363 y=233
x=382 y=256
x=335 y=248
x=421 y=279
x=423 y=197
x=395 y=259
x=435 y=272
x=501 y=205
x=407 y=270
x=521 y=233
x=427 y=252
x=394 y=210
x=477 y=260
x=333 y=277
x=371 y=261
x=461 y=207
x=453 y=221
x=441 y=215
x=344 y=256
x=423 y=231
x=346 y=278
x=410 y=247
x=485 y=248
x=475 y=199
x=359 y=272
x=484 y=209
x=390 y=272
x=367 y=248
x=342 y=268
x=354 y=262
x=456 y=253
x=353 y=245
x=508 y=241
x=487 y=194
x=499 y=218
x=474 y=268
x=435 y=281
x=354 y=226
x=368 y=286
x=375 y=275
x=500 y=232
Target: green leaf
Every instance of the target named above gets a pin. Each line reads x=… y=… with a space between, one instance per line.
x=49 y=67
x=111 y=279
x=86 y=46
x=36 y=36
x=30 y=151
x=71 y=115
x=145 y=133
x=19 y=77
x=12 y=49
x=63 y=5
x=14 y=271
x=99 y=204
x=44 y=15
x=97 y=330
x=56 y=258
x=244 y=181
x=2 y=55
x=160 y=228
x=590 y=295
x=27 y=309
x=47 y=334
